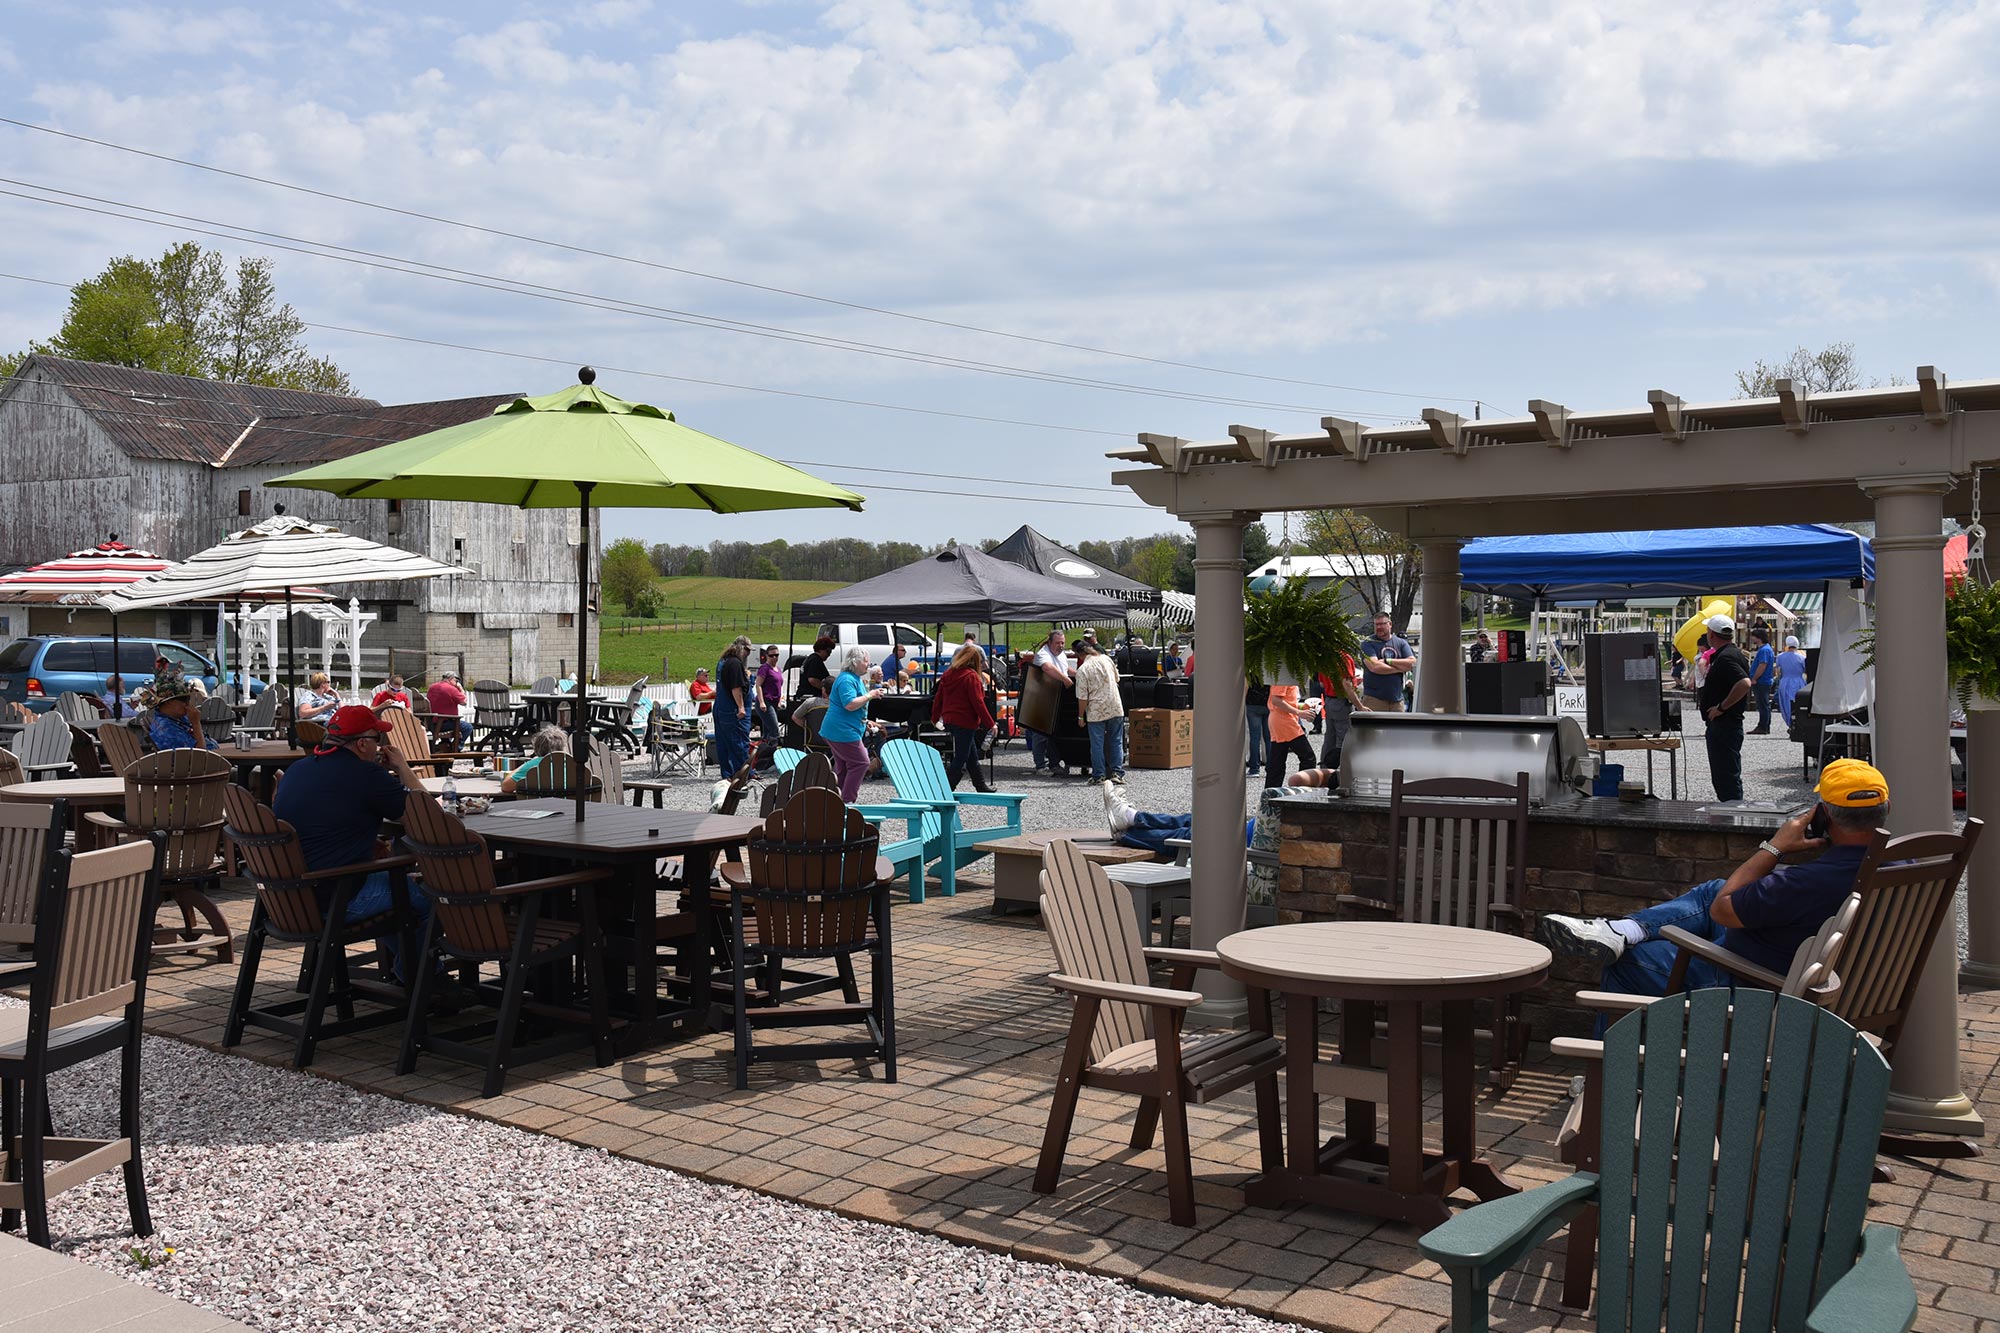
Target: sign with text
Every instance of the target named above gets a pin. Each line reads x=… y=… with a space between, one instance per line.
x=1570 y=701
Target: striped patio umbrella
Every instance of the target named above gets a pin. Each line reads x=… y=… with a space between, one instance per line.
x=283 y=552
x=79 y=579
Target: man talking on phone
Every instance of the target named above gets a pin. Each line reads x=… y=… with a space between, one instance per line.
x=1762 y=912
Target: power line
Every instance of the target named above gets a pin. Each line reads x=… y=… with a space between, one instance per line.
x=564 y=296
x=661 y=375
x=266 y=424
x=716 y=277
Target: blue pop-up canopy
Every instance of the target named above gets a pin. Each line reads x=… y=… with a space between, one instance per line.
x=1666 y=562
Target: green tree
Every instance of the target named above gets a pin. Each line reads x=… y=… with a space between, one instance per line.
x=627 y=571
x=184 y=313
x=1257 y=547
x=1156 y=562
x=763 y=567
x=695 y=563
x=1383 y=566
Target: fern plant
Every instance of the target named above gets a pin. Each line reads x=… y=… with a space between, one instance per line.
x=1972 y=638
x=1292 y=631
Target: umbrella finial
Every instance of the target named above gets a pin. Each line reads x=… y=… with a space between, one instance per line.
x=586 y=376
x=277 y=509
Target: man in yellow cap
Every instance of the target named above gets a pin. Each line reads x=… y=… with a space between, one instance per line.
x=1762 y=912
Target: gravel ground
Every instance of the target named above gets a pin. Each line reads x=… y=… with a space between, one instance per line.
x=295 y=1203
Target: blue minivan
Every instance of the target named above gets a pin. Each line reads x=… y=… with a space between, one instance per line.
x=37 y=670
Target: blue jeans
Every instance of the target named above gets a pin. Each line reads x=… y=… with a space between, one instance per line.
x=373 y=897
x=732 y=737
x=1257 y=721
x=1151 y=830
x=1643 y=968
x=1761 y=692
x=1107 y=749
x=1042 y=749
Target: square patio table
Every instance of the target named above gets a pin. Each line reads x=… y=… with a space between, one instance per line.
x=631 y=840
x=1402 y=966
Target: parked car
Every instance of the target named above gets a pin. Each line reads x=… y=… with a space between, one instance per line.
x=36 y=671
x=875 y=637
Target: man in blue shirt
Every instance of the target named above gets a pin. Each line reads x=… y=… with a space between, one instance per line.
x=1763 y=678
x=1385 y=658
x=1762 y=912
x=337 y=799
x=175 y=725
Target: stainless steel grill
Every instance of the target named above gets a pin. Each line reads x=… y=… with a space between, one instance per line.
x=1550 y=750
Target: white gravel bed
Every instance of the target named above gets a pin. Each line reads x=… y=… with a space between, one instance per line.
x=296 y=1203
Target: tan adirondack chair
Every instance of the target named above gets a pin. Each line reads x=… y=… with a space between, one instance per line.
x=607 y=772
x=309 y=907
x=814 y=893
x=1458 y=857
x=123 y=745
x=31 y=833
x=179 y=793
x=1125 y=1035
x=477 y=920
x=87 y=999
x=413 y=742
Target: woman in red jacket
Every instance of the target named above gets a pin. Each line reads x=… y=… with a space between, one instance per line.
x=959 y=702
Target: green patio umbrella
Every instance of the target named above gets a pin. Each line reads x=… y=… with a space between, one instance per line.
x=575 y=449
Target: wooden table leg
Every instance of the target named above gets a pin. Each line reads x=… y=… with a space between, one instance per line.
x=1457 y=1080
x=1357 y=1047
x=1406 y=1097
x=1270 y=1133
x=1301 y=1093
x=696 y=867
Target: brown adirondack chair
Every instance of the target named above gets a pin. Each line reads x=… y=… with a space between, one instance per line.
x=1907 y=887
x=477 y=920
x=413 y=742
x=179 y=793
x=813 y=892
x=1458 y=857
x=309 y=907
x=87 y=999
x=1125 y=1035
x=11 y=771
x=310 y=733
x=31 y=833
x=123 y=745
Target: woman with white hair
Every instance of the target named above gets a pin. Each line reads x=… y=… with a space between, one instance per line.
x=846 y=721
x=1791 y=676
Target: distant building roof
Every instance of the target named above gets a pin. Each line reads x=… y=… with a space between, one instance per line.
x=154 y=414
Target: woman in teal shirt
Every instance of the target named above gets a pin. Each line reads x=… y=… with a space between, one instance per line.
x=845 y=722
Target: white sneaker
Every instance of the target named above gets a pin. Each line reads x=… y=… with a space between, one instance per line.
x=1582 y=937
x=1118 y=811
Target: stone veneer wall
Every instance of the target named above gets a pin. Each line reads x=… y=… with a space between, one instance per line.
x=1331 y=848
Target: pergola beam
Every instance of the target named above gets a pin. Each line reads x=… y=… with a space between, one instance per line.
x=1666 y=414
x=1447 y=430
x=1552 y=419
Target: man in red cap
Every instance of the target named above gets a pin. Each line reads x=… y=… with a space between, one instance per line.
x=337 y=800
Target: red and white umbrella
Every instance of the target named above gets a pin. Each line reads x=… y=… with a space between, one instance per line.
x=81 y=577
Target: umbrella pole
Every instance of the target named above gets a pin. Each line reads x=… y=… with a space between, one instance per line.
x=291 y=659
x=579 y=728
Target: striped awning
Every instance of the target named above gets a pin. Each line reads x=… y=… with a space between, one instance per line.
x=1804 y=603
x=281 y=552
x=81 y=577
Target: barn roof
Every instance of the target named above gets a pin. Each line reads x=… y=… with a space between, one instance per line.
x=154 y=414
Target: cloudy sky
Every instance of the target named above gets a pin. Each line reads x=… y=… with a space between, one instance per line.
x=1069 y=220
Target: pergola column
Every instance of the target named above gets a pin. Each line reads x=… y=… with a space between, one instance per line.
x=1219 y=892
x=1440 y=663
x=1912 y=723
x=1982 y=881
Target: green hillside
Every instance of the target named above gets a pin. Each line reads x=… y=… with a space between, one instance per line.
x=698 y=617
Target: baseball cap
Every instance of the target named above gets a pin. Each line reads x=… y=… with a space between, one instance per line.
x=1721 y=625
x=1850 y=782
x=353 y=721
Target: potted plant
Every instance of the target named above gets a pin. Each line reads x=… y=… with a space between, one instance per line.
x=1296 y=633
x=1972 y=642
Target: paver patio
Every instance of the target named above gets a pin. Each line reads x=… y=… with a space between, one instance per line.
x=950 y=1148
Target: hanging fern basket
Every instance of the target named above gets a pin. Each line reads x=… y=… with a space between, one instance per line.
x=1290 y=632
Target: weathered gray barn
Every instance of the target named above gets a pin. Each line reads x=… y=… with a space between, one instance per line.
x=173 y=464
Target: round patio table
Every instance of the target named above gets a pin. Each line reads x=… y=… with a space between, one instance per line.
x=83 y=794
x=1402 y=967
x=267 y=756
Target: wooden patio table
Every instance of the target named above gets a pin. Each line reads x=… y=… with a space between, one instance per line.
x=1402 y=967
x=83 y=794
x=265 y=756
x=631 y=840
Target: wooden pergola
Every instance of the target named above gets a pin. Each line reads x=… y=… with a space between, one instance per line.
x=1902 y=456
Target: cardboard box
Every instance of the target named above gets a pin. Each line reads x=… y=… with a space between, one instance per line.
x=1159 y=738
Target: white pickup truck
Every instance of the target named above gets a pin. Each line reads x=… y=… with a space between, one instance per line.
x=875 y=636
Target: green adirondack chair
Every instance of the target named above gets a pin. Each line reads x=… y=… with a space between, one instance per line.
x=918 y=775
x=1734 y=1238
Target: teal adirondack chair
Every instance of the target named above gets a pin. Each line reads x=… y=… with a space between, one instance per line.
x=919 y=778
x=1775 y=1247
x=785 y=758
x=921 y=826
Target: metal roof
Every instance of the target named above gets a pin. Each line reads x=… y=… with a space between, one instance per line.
x=323 y=436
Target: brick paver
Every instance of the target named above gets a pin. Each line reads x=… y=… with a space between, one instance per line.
x=950 y=1148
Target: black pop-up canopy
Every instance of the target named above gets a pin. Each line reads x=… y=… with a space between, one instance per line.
x=1034 y=552
x=960 y=584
